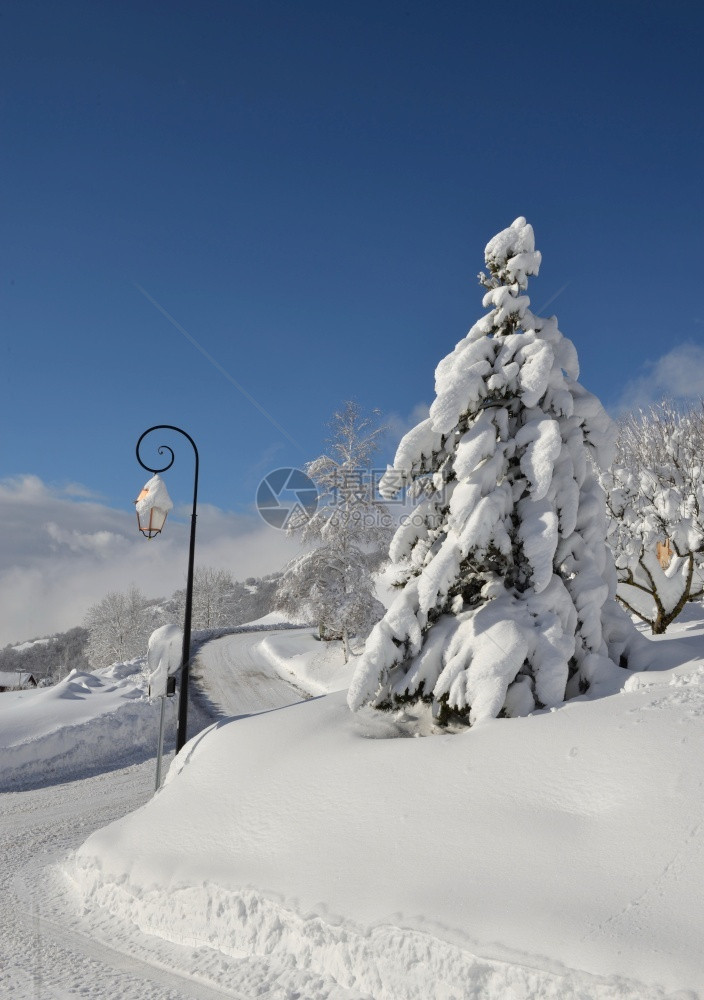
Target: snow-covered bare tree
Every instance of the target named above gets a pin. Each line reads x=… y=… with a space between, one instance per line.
x=348 y=534
x=655 y=497
x=509 y=585
x=214 y=599
x=219 y=601
x=119 y=627
x=333 y=587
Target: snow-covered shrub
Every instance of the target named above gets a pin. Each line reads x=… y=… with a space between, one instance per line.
x=508 y=585
x=655 y=497
x=332 y=582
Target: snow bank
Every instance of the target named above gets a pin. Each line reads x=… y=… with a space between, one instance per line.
x=554 y=855
x=315 y=667
x=86 y=721
x=385 y=962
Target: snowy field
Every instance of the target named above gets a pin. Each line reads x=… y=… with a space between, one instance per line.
x=307 y=853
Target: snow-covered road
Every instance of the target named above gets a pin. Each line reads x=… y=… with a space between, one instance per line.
x=237 y=681
x=53 y=949
x=49 y=950
x=44 y=953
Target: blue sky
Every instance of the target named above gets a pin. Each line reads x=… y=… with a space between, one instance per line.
x=307 y=189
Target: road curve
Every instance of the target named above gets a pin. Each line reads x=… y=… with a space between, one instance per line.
x=236 y=680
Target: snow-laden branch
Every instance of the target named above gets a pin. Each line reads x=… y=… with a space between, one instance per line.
x=655 y=496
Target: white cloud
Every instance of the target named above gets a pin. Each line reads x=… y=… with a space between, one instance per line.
x=100 y=542
x=79 y=491
x=679 y=374
x=62 y=553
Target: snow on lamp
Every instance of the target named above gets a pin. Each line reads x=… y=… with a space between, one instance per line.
x=152 y=505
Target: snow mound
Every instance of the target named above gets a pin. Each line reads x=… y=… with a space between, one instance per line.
x=85 y=722
x=164 y=656
x=314 y=666
x=556 y=855
x=384 y=962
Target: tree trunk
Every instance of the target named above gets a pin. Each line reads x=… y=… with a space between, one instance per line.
x=659 y=625
x=663 y=619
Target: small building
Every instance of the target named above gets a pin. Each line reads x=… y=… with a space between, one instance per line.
x=17 y=680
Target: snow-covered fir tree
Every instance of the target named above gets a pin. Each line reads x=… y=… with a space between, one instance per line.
x=347 y=536
x=655 y=496
x=508 y=585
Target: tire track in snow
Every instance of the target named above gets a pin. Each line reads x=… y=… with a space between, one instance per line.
x=41 y=958
x=74 y=942
x=236 y=681
x=51 y=950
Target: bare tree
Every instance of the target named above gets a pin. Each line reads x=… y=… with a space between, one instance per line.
x=213 y=599
x=220 y=602
x=119 y=627
x=655 y=497
x=348 y=534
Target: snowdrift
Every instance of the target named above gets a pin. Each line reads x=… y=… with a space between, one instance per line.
x=554 y=855
x=315 y=667
x=85 y=723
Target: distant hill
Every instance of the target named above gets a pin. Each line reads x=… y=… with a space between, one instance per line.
x=53 y=657
x=50 y=657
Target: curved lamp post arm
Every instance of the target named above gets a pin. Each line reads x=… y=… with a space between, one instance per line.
x=186 y=649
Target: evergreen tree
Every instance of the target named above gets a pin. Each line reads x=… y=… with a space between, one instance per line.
x=507 y=600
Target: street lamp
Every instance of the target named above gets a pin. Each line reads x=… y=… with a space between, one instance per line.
x=153 y=505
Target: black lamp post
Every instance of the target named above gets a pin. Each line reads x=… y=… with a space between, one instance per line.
x=149 y=529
